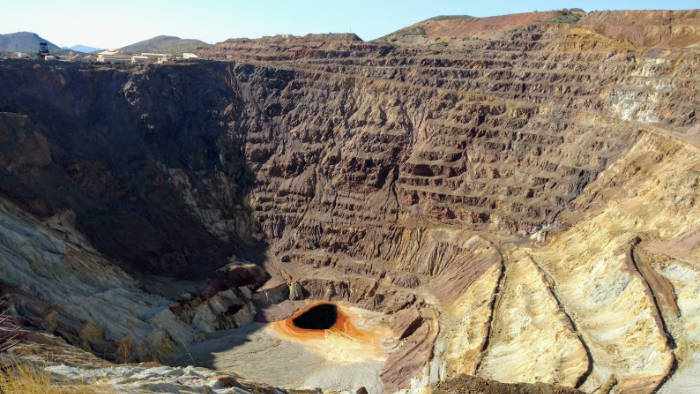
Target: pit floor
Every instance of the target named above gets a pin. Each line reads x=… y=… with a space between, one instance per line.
x=330 y=360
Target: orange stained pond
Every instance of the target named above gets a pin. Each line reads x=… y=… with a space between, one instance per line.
x=338 y=333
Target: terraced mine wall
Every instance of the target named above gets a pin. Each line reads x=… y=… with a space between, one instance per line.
x=165 y=157
x=464 y=190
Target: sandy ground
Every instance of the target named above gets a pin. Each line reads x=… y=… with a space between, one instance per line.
x=260 y=352
x=685 y=379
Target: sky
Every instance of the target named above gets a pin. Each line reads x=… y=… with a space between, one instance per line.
x=114 y=24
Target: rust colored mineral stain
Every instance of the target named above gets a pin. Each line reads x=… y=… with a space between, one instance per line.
x=319 y=321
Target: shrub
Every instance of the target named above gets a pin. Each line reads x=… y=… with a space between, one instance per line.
x=22 y=379
x=10 y=332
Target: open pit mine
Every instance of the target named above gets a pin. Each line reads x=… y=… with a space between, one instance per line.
x=480 y=205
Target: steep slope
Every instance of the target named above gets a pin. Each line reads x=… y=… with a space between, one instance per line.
x=615 y=294
x=165 y=44
x=129 y=166
x=520 y=206
x=23 y=42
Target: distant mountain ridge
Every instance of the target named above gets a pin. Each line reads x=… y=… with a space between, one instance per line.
x=167 y=44
x=84 y=49
x=23 y=42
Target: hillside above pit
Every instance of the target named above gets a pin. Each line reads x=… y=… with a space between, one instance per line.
x=23 y=42
x=448 y=203
x=456 y=27
x=641 y=28
x=165 y=44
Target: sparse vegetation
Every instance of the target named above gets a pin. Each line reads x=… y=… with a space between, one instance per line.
x=10 y=332
x=23 y=379
x=568 y=16
x=125 y=349
x=448 y=17
x=407 y=31
x=166 y=44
